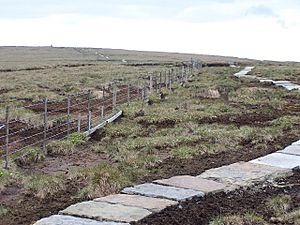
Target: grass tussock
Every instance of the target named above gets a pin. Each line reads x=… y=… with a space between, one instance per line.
x=247 y=219
x=43 y=186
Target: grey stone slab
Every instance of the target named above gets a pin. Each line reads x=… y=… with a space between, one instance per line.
x=160 y=191
x=291 y=150
x=194 y=183
x=266 y=81
x=247 y=76
x=104 y=211
x=292 y=87
x=152 y=204
x=296 y=143
x=244 y=174
x=281 y=82
x=280 y=160
x=71 y=220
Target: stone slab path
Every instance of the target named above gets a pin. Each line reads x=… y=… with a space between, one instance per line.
x=161 y=191
x=195 y=183
x=104 y=211
x=244 y=174
x=279 y=160
x=68 y=220
x=151 y=204
x=135 y=203
x=280 y=83
x=292 y=150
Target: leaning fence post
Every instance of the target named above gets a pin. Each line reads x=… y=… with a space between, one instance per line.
x=68 y=115
x=7 y=138
x=128 y=93
x=79 y=123
x=45 y=124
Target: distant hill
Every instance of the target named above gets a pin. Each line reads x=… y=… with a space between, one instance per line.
x=22 y=57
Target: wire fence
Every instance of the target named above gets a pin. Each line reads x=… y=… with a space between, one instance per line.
x=33 y=126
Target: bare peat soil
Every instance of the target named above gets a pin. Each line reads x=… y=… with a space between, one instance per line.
x=202 y=211
x=197 y=165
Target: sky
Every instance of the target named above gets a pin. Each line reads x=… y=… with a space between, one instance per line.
x=258 y=29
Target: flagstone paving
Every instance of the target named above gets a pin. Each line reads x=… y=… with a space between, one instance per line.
x=195 y=183
x=152 y=204
x=71 y=220
x=160 y=191
x=244 y=174
x=291 y=150
x=142 y=200
x=104 y=211
x=296 y=143
x=280 y=160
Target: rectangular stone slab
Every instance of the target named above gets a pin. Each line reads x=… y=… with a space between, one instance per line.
x=280 y=160
x=291 y=150
x=160 y=191
x=194 y=183
x=71 y=220
x=296 y=143
x=152 y=204
x=104 y=211
x=243 y=174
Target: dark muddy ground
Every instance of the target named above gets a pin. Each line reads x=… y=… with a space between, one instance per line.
x=194 y=166
x=27 y=208
x=202 y=211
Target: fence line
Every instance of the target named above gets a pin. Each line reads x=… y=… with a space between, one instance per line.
x=57 y=120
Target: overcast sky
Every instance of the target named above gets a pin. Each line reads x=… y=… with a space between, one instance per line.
x=260 y=29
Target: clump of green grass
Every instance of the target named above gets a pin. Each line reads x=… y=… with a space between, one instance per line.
x=285 y=123
x=296 y=216
x=43 y=185
x=65 y=147
x=280 y=205
x=184 y=152
x=29 y=155
x=100 y=180
x=10 y=176
x=247 y=219
x=4 y=210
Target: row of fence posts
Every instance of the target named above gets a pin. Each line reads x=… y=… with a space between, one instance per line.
x=143 y=92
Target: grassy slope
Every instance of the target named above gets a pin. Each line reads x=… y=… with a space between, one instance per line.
x=189 y=123
x=199 y=119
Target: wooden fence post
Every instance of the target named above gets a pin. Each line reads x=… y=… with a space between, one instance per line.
x=128 y=93
x=7 y=138
x=114 y=100
x=88 y=125
x=68 y=115
x=151 y=83
x=45 y=124
x=79 y=123
x=170 y=80
x=160 y=80
x=102 y=114
x=166 y=79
